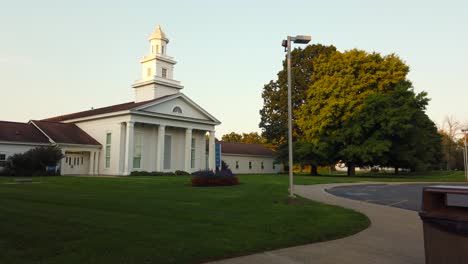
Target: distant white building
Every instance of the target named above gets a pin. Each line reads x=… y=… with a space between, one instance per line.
x=161 y=130
x=249 y=158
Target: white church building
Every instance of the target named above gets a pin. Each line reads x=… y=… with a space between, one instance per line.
x=161 y=130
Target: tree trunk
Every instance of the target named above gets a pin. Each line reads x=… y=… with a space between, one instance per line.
x=351 y=170
x=397 y=170
x=313 y=170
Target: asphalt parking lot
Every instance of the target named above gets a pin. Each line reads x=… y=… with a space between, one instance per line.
x=405 y=196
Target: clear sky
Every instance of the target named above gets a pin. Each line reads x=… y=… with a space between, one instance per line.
x=59 y=57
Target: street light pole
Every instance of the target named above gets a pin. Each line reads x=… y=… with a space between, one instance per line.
x=287 y=45
x=465 y=154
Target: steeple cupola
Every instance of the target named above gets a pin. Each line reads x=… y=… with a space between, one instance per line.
x=157 y=78
x=158 y=41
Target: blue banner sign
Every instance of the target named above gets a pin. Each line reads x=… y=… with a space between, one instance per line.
x=218 y=155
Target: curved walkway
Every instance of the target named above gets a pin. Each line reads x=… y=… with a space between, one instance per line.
x=395 y=236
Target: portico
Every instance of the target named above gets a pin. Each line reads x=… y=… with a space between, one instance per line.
x=151 y=145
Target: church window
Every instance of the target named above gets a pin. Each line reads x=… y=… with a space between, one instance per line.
x=162 y=49
x=274 y=166
x=157 y=48
x=164 y=73
x=148 y=72
x=177 y=109
x=192 y=154
x=250 y=165
x=137 y=150
x=2 y=159
x=108 y=149
x=262 y=166
x=237 y=164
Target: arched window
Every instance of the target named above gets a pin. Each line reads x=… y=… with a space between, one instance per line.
x=177 y=110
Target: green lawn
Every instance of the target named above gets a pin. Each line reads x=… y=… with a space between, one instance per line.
x=159 y=219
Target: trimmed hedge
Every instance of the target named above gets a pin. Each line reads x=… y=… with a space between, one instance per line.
x=210 y=178
x=151 y=173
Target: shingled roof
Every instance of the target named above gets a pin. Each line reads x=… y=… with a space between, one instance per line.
x=41 y=131
x=21 y=132
x=65 y=133
x=102 y=110
x=245 y=149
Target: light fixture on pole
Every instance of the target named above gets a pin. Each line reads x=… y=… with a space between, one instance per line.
x=299 y=39
x=465 y=154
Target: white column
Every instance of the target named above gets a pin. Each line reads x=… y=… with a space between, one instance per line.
x=160 y=148
x=62 y=162
x=129 y=148
x=122 y=150
x=188 y=149
x=91 y=163
x=154 y=145
x=96 y=162
x=211 y=151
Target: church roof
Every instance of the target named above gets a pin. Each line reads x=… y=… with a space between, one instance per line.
x=21 y=132
x=65 y=133
x=102 y=110
x=42 y=131
x=158 y=34
x=245 y=149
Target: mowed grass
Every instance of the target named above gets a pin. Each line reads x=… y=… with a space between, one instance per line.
x=158 y=220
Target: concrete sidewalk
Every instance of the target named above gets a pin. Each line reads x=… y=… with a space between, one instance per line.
x=395 y=236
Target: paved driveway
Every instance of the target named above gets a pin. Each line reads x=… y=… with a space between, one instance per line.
x=405 y=196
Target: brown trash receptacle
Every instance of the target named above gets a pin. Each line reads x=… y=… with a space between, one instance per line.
x=445 y=226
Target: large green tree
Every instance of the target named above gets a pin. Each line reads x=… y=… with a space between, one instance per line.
x=351 y=106
x=392 y=130
x=274 y=113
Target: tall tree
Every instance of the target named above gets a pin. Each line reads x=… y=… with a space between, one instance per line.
x=274 y=113
x=341 y=84
x=449 y=130
x=393 y=130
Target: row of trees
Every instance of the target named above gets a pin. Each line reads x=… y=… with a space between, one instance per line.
x=452 y=144
x=248 y=138
x=353 y=106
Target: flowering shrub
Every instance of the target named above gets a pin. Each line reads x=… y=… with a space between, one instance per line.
x=209 y=178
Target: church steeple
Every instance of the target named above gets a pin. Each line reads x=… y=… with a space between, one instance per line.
x=158 y=41
x=157 y=70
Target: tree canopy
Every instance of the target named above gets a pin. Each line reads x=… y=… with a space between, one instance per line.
x=363 y=104
x=353 y=106
x=248 y=138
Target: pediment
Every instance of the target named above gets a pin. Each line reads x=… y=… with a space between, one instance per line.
x=179 y=106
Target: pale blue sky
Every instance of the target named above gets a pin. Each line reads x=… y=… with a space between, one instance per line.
x=58 y=57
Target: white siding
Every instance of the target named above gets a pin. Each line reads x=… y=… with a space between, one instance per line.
x=256 y=161
x=11 y=149
x=98 y=130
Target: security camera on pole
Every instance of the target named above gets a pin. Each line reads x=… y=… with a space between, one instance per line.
x=300 y=39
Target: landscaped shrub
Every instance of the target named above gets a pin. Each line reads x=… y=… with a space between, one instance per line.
x=209 y=178
x=181 y=172
x=34 y=161
x=151 y=173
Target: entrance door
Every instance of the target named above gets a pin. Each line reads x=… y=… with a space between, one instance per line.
x=76 y=163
